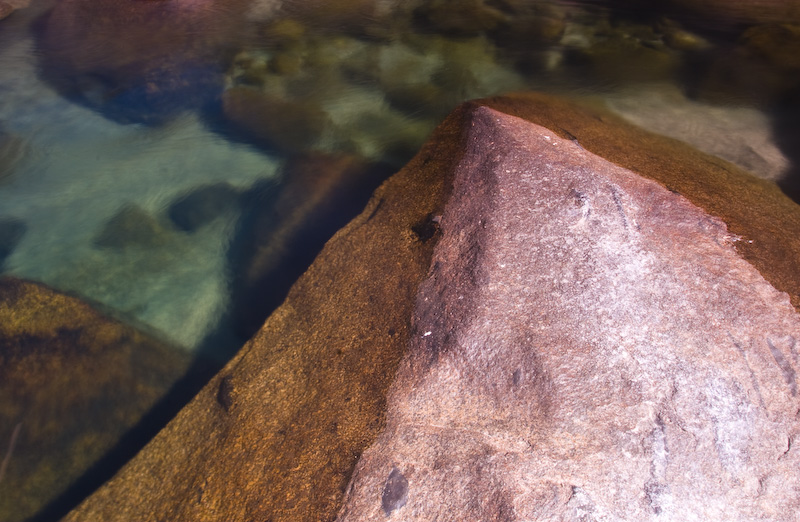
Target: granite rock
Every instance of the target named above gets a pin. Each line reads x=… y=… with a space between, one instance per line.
x=588 y=345
x=72 y=383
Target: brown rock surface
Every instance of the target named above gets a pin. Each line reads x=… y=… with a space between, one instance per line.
x=588 y=345
x=277 y=433
x=72 y=382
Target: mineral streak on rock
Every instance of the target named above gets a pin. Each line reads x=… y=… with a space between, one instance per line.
x=395 y=492
x=576 y=358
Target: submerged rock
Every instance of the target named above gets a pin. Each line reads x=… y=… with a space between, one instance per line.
x=141 y=61
x=5 y=10
x=287 y=126
x=587 y=343
x=72 y=383
x=555 y=346
x=132 y=227
x=203 y=205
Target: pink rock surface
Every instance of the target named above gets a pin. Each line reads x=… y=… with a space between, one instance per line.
x=588 y=346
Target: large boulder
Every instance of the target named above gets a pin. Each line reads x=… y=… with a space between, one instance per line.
x=587 y=346
x=141 y=61
x=583 y=339
x=73 y=383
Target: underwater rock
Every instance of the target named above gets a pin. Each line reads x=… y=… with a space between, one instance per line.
x=587 y=345
x=142 y=61
x=459 y=17
x=628 y=54
x=287 y=126
x=716 y=14
x=132 y=226
x=280 y=237
x=762 y=68
x=5 y=10
x=72 y=383
x=11 y=232
x=201 y=206
x=277 y=434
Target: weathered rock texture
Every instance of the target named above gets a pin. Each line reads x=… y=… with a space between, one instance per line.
x=72 y=383
x=524 y=371
x=588 y=346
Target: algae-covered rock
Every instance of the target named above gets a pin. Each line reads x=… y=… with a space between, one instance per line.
x=286 y=125
x=72 y=383
x=459 y=18
x=132 y=226
x=762 y=68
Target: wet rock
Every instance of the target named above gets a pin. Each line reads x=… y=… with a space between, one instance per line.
x=716 y=14
x=459 y=18
x=353 y=16
x=142 y=61
x=11 y=232
x=762 y=68
x=587 y=344
x=132 y=227
x=287 y=126
x=5 y=10
x=72 y=382
x=203 y=205
x=277 y=433
x=628 y=54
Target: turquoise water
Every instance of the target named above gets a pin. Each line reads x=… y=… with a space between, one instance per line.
x=142 y=162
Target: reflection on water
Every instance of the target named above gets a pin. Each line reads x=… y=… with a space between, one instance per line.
x=180 y=162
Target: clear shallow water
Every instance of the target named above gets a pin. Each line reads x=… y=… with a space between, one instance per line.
x=100 y=150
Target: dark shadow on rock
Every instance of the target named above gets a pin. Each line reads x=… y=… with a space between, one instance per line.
x=786 y=124
x=203 y=205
